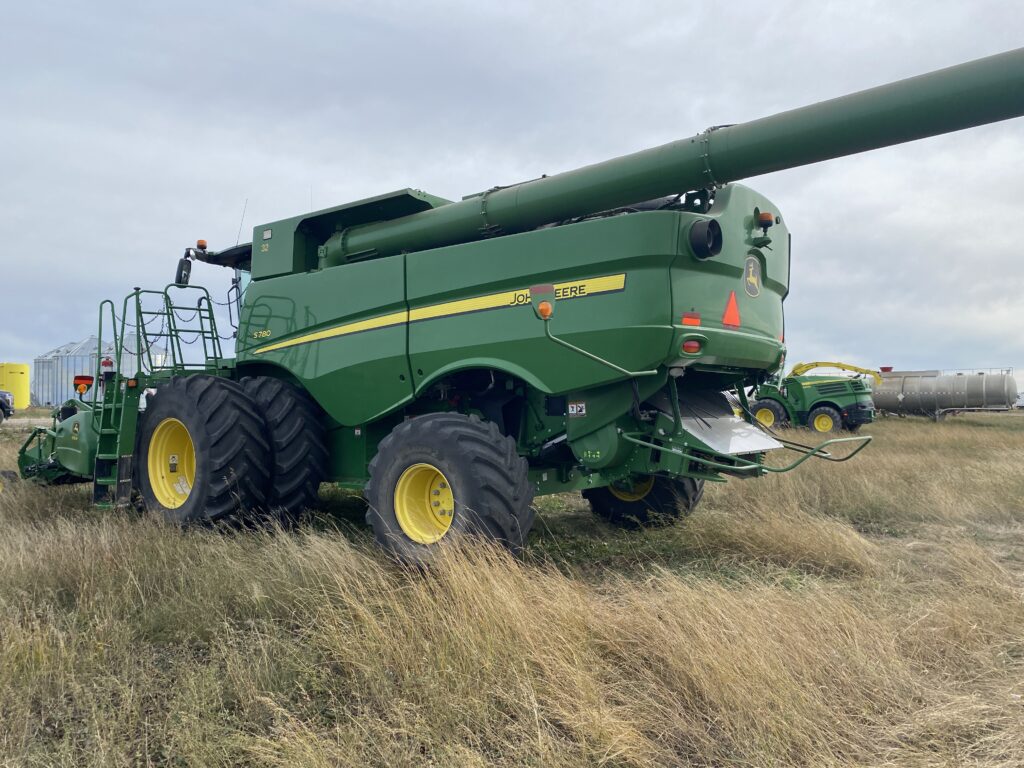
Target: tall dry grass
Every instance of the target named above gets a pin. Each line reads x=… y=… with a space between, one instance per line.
x=868 y=613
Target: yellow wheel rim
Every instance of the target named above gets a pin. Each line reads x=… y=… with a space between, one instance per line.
x=424 y=503
x=765 y=416
x=823 y=422
x=171 y=463
x=634 y=493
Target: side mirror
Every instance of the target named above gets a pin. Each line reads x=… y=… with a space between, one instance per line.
x=184 y=270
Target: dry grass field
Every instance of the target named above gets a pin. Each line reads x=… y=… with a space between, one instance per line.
x=860 y=614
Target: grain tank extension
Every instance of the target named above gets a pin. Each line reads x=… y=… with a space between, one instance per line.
x=454 y=359
x=934 y=394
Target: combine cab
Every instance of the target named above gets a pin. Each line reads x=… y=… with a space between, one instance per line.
x=453 y=360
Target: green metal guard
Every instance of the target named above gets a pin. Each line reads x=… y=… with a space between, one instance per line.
x=747 y=467
x=740 y=465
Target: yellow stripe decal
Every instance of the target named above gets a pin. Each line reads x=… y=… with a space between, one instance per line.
x=577 y=289
x=395 y=318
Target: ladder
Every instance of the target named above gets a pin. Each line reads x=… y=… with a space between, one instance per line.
x=147 y=318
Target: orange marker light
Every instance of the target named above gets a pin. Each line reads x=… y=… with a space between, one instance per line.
x=544 y=309
x=731 y=316
x=765 y=219
x=82 y=389
x=691 y=318
x=201 y=245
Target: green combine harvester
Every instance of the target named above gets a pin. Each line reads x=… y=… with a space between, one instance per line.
x=453 y=360
x=822 y=403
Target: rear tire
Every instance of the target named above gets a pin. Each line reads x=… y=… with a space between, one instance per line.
x=769 y=413
x=298 y=445
x=444 y=476
x=825 y=419
x=652 y=502
x=203 y=451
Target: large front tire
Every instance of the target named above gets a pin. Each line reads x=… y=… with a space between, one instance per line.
x=825 y=420
x=441 y=477
x=769 y=413
x=648 y=502
x=298 y=445
x=203 y=451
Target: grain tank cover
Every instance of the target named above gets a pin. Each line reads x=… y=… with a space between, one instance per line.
x=302 y=243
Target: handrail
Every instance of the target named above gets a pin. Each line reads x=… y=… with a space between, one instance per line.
x=592 y=356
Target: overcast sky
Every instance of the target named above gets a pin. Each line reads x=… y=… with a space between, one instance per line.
x=127 y=130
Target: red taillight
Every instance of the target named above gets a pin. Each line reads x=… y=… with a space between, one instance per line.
x=691 y=346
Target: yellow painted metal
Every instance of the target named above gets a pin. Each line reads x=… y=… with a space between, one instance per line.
x=823 y=423
x=639 y=490
x=14 y=378
x=171 y=463
x=766 y=416
x=802 y=368
x=424 y=503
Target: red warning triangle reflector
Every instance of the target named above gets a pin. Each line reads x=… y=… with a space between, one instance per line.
x=731 y=316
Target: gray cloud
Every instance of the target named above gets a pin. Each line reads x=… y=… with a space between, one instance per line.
x=129 y=129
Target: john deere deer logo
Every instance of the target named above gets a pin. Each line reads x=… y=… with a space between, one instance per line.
x=752 y=277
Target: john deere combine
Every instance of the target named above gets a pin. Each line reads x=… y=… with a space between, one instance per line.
x=455 y=359
x=822 y=403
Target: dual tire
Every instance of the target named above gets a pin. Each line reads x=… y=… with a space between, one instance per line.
x=214 y=450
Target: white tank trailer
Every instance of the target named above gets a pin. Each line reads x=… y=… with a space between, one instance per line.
x=937 y=394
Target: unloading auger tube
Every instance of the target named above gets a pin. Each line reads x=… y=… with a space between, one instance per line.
x=975 y=93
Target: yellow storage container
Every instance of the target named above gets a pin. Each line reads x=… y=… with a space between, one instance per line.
x=14 y=379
